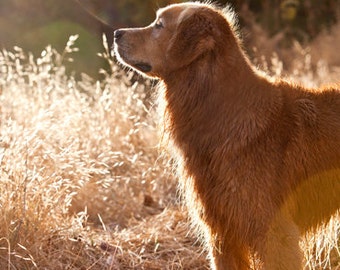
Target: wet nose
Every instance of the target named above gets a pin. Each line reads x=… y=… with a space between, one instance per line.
x=118 y=34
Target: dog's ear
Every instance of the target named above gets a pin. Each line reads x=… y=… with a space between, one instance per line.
x=193 y=37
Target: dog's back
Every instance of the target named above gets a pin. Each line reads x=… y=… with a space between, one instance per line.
x=315 y=158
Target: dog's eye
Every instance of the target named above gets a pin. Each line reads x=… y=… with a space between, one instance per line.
x=159 y=24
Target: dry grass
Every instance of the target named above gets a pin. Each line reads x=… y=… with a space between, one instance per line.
x=82 y=182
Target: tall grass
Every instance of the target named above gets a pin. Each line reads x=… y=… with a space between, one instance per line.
x=70 y=147
x=82 y=181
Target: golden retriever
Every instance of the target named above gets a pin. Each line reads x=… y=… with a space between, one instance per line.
x=259 y=159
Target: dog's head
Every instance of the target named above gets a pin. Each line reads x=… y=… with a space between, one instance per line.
x=181 y=34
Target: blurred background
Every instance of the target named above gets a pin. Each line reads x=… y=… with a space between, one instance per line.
x=267 y=26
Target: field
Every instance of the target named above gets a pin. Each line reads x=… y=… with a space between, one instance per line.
x=84 y=183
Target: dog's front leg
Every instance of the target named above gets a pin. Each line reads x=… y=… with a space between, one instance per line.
x=229 y=257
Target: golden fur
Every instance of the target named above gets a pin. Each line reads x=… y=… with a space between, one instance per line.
x=259 y=159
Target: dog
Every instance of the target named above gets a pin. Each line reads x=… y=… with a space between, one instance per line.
x=258 y=157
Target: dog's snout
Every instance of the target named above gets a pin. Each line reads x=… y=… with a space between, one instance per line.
x=118 y=34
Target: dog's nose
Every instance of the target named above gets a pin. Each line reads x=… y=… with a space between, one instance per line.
x=118 y=34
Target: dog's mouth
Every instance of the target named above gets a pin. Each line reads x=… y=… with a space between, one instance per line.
x=144 y=67
x=124 y=57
